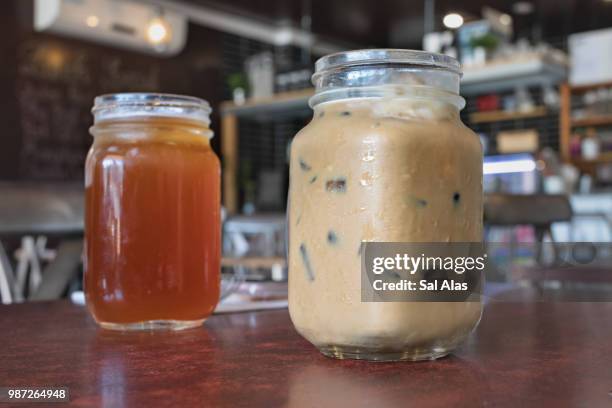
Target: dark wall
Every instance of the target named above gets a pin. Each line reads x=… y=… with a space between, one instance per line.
x=48 y=82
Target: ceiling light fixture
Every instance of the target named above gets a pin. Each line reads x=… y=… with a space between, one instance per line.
x=453 y=20
x=505 y=19
x=92 y=21
x=158 y=31
x=522 y=8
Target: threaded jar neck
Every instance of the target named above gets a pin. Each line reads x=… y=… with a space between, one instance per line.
x=122 y=106
x=387 y=73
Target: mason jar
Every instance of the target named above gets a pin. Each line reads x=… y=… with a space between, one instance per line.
x=385 y=158
x=152 y=228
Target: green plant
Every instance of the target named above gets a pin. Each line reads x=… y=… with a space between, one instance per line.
x=237 y=80
x=486 y=41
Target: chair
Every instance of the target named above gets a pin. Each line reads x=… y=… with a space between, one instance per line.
x=538 y=210
x=28 y=211
x=541 y=211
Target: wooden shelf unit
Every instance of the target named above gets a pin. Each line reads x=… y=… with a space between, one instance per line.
x=567 y=124
x=285 y=103
x=592 y=121
x=535 y=70
x=590 y=87
x=499 y=115
x=280 y=102
x=605 y=157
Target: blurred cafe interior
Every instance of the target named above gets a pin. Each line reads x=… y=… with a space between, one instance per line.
x=537 y=80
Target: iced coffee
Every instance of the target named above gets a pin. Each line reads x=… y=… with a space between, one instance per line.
x=385 y=159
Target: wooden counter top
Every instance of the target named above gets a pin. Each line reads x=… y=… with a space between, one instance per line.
x=523 y=354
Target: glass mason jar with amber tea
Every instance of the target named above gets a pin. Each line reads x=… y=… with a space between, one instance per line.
x=152 y=227
x=384 y=159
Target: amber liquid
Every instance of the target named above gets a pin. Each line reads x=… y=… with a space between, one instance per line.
x=152 y=222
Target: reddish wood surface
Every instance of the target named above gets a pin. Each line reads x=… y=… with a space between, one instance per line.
x=524 y=354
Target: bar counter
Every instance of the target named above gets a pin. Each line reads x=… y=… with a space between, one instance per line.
x=523 y=354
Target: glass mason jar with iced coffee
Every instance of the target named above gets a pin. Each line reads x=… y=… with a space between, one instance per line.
x=385 y=158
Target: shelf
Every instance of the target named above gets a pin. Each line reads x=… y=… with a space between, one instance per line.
x=497 y=116
x=285 y=103
x=495 y=77
x=590 y=87
x=535 y=70
x=603 y=158
x=593 y=121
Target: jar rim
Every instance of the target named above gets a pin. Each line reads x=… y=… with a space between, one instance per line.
x=139 y=104
x=380 y=56
x=386 y=92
